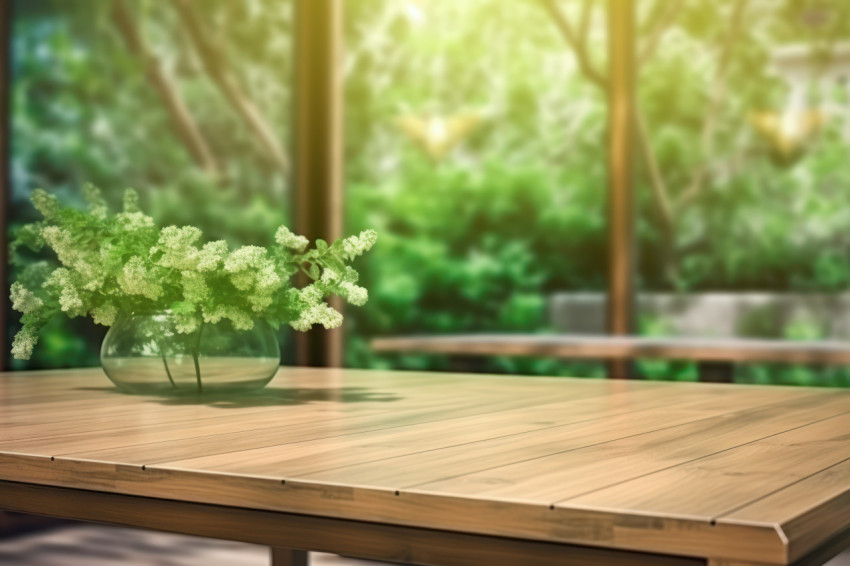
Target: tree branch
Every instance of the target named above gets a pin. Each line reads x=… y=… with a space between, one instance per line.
x=715 y=98
x=660 y=194
x=660 y=198
x=576 y=42
x=662 y=25
x=730 y=165
x=183 y=122
x=584 y=22
x=217 y=69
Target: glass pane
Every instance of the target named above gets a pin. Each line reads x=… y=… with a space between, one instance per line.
x=197 y=122
x=744 y=185
x=475 y=148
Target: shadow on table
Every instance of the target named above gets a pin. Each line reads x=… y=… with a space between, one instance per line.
x=267 y=397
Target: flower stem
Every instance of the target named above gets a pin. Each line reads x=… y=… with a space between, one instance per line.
x=167 y=371
x=196 y=352
x=165 y=364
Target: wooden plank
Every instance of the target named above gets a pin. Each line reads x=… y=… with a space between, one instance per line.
x=371 y=541
x=711 y=486
x=90 y=392
x=282 y=398
x=491 y=411
x=193 y=446
x=539 y=440
x=807 y=510
x=478 y=516
x=404 y=458
x=617 y=347
x=583 y=458
x=469 y=398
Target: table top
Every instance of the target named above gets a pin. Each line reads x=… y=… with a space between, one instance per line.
x=619 y=347
x=726 y=471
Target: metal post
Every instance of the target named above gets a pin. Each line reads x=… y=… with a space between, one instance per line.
x=621 y=127
x=317 y=140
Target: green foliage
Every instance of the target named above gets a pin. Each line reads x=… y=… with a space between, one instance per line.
x=477 y=241
x=112 y=265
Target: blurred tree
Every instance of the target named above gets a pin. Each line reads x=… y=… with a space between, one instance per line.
x=479 y=238
x=87 y=108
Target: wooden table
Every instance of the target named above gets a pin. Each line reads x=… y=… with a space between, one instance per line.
x=445 y=469
x=716 y=356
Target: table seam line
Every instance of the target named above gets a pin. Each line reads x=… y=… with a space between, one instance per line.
x=761 y=407
x=342 y=435
x=621 y=482
x=727 y=512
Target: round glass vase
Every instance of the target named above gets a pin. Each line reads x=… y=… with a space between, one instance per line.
x=144 y=354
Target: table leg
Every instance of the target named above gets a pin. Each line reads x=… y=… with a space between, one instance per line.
x=716 y=372
x=289 y=557
x=621 y=368
x=467 y=364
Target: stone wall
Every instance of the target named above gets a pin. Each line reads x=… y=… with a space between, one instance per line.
x=765 y=315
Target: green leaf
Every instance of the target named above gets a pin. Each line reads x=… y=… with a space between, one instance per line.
x=334 y=264
x=321 y=245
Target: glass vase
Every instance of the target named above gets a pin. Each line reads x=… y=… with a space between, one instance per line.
x=144 y=354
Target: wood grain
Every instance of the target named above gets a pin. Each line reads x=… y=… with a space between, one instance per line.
x=807 y=509
x=547 y=467
x=713 y=471
x=372 y=541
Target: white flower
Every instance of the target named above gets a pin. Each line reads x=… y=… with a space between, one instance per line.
x=134 y=221
x=354 y=246
x=311 y=294
x=195 y=287
x=135 y=279
x=92 y=275
x=177 y=247
x=62 y=243
x=97 y=206
x=24 y=342
x=69 y=297
x=246 y=257
x=131 y=201
x=260 y=301
x=104 y=314
x=244 y=280
x=241 y=320
x=71 y=255
x=212 y=255
x=252 y=271
x=329 y=277
x=186 y=323
x=354 y=294
x=287 y=239
x=46 y=204
x=317 y=314
x=267 y=277
x=24 y=300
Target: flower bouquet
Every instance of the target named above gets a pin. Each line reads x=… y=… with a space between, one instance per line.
x=119 y=267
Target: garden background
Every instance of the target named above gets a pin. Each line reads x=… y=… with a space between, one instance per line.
x=474 y=145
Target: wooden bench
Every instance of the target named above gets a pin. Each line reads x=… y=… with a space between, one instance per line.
x=715 y=357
